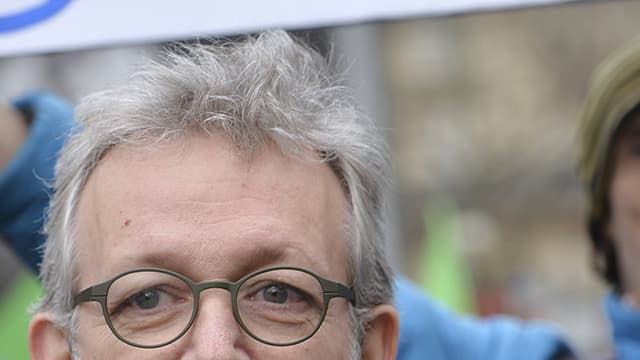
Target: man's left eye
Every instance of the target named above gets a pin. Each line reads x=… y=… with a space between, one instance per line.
x=280 y=294
x=275 y=293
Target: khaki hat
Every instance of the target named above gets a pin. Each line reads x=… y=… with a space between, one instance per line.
x=613 y=92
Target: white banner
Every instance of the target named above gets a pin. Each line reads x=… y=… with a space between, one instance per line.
x=35 y=26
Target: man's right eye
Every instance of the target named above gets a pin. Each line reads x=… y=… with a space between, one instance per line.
x=146 y=299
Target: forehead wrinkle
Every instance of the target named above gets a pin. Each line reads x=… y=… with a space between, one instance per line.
x=253 y=227
x=255 y=257
x=259 y=181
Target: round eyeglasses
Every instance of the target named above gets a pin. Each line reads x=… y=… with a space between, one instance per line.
x=278 y=306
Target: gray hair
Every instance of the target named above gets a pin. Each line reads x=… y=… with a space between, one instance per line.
x=268 y=88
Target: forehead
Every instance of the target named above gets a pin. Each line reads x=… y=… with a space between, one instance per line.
x=199 y=207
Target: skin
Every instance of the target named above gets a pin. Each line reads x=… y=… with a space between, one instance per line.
x=624 y=195
x=211 y=214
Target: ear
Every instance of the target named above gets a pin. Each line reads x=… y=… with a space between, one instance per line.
x=381 y=338
x=46 y=339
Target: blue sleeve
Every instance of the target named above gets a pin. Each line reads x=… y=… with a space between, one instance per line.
x=23 y=191
x=625 y=327
x=428 y=330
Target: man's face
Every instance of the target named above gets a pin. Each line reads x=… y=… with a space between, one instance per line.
x=624 y=197
x=197 y=208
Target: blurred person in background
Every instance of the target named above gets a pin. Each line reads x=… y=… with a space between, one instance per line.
x=32 y=132
x=609 y=167
x=426 y=328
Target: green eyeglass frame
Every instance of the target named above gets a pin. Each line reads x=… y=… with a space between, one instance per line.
x=99 y=293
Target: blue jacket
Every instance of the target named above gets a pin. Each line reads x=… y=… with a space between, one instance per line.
x=625 y=326
x=427 y=330
x=23 y=195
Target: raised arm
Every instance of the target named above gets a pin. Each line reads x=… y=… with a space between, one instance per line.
x=32 y=131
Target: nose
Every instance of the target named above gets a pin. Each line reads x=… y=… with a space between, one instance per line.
x=215 y=334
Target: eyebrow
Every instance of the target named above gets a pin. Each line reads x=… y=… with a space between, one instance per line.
x=262 y=256
x=256 y=258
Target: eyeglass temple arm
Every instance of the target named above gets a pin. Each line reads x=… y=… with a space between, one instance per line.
x=93 y=293
x=335 y=289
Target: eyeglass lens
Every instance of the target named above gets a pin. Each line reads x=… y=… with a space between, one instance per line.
x=150 y=308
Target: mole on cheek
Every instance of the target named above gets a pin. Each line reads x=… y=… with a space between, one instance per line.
x=126 y=223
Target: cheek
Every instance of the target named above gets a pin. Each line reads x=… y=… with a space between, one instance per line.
x=333 y=339
x=331 y=342
x=95 y=341
x=94 y=337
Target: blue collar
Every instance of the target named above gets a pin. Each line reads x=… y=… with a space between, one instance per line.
x=625 y=325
